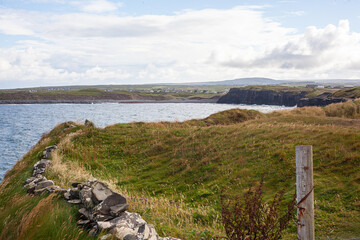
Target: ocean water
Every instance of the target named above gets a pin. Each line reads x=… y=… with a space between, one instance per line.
x=21 y=126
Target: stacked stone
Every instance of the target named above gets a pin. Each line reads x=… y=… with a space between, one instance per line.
x=38 y=184
x=102 y=209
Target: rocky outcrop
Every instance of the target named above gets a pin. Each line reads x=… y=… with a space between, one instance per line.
x=321 y=100
x=268 y=97
x=100 y=208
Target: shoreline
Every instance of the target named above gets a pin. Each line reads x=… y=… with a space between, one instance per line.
x=4 y=102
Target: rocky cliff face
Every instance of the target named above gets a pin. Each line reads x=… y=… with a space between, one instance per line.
x=319 y=101
x=269 y=97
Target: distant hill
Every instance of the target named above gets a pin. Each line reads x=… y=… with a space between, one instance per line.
x=244 y=82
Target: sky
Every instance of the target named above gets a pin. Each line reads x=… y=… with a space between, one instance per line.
x=78 y=42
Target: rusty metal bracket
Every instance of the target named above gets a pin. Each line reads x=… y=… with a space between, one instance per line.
x=304 y=198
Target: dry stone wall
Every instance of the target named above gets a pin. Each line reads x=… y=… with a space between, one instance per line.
x=100 y=208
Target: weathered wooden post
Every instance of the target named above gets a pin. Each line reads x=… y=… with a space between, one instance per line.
x=305 y=192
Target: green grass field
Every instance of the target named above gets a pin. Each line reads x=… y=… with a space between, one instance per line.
x=174 y=172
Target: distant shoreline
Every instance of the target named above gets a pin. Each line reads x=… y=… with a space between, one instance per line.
x=4 y=102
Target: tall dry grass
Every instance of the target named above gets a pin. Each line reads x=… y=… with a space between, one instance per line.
x=160 y=211
x=66 y=172
x=28 y=220
x=349 y=109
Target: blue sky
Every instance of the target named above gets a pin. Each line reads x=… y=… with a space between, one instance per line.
x=58 y=42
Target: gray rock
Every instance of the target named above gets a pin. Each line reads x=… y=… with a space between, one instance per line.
x=48 y=150
x=118 y=209
x=67 y=195
x=84 y=212
x=30 y=185
x=104 y=225
x=53 y=189
x=122 y=231
x=129 y=220
x=88 y=123
x=91 y=181
x=74 y=192
x=111 y=201
x=58 y=189
x=29 y=180
x=39 y=176
x=130 y=237
x=44 y=184
x=33 y=183
x=38 y=171
x=43 y=163
x=100 y=192
x=144 y=231
x=41 y=190
x=85 y=196
x=153 y=234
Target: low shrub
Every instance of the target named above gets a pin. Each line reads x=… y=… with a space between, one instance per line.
x=253 y=219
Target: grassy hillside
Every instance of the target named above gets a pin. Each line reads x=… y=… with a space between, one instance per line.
x=348 y=93
x=149 y=93
x=173 y=173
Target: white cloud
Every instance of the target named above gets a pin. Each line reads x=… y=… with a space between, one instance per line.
x=97 y=6
x=13 y=23
x=331 y=50
x=192 y=45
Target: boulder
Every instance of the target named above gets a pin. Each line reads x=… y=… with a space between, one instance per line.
x=48 y=150
x=74 y=192
x=104 y=225
x=100 y=192
x=35 y=180
x=38 y=171
x=118 y=209
x=43 y=163
x=114 y=201
x=44 y=184
x=127 y=223
x=85 y=196
x=122 y=232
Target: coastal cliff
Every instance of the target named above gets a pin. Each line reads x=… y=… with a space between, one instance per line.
x=321 y=100
x=268 y=97
x=282 y=96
